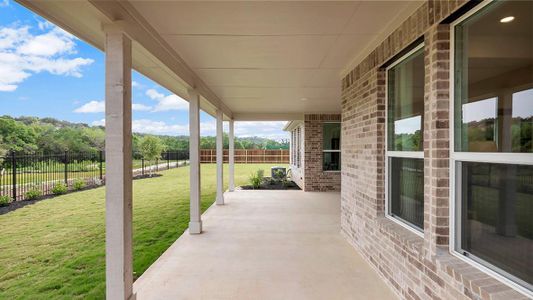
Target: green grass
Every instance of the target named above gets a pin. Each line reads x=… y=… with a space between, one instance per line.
x=55 y=248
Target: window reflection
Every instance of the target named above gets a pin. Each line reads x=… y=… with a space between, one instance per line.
x=332 y=161
x=406 y=103
x=495 y=59
x=479 y=119
x=407 y=190
x=331 y=145
x=522 y=123
x=407 y=133
x=497 y=207
x=332 y=136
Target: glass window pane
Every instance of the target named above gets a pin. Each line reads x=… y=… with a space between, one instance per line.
x=406 y=192
x=332 y=161
x=522 y=121
x=497 y=216
x=332 y=136
x=406 y=103
x=479 y=119
x=494 y=79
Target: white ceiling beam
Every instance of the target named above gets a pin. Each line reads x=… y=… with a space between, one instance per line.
x=146 y=36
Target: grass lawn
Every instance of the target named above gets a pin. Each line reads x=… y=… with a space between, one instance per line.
x=55 y=248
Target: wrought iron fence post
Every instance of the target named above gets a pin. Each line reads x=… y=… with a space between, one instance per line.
x=66 y=168
x=101 y=156
x=142 y=166
x=168 y=162
x=14 y=167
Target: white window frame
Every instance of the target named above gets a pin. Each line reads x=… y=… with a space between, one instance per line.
x=332 y=151
x=400 y=154
x=483 y=157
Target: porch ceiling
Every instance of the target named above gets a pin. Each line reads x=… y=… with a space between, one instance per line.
x=268 y=56
x=250 y=58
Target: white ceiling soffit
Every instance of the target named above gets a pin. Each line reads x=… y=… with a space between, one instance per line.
x=273 y=57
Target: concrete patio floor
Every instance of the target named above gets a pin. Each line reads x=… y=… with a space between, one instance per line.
x=265 y=245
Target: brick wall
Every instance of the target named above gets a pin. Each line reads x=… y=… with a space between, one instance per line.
x=415 y=267
x=315 y=178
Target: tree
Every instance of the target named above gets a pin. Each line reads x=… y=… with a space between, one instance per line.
x=17 y=135
x=151 y=148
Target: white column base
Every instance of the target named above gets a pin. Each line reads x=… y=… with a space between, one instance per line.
x=195 y=227
x=220 y=199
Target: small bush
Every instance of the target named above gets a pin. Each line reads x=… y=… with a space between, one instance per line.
x=33 y=193
x=257 y=178
x=280 y=175
x=59 y=189
x=4 y=200
x=261 y=174
x=78 y=184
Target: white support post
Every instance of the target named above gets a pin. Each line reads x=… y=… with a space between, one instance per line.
x=118 y=214
x=231 y=168
x=220 y=157
x=195 y=224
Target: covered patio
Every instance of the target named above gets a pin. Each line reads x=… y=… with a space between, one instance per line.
x=265 y=245
x=237 y=61
x=365 y=66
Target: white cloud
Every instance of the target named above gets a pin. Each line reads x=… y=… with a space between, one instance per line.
x=91 y=107
x=98 y=123
x=4 y=3
x=153 y=127
x=99 y=107
x=272 y=130
x=154 y=95
x=23 y=54
x=54 y=42
x=43 y=25
x=140 y=107
x=137 y=85
x=166 y=103
x=159 y=127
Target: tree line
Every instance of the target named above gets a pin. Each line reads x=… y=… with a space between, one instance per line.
x=49 y=135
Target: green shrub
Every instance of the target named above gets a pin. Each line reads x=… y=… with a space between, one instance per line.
x=59 y=189
x=261 y=174
x=78 y=184
x=4 y=200
x=33 y=193
x=280 y=175
x=257 y=178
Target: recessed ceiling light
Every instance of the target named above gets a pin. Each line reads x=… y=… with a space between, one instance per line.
x=507 y=19
x=303 y=99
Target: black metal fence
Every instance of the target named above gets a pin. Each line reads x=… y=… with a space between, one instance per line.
x=27 y=175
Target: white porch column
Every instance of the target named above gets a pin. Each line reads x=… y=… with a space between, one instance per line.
x=195 y=224
x=220 y=158
x=231 y=154
x=118 y=157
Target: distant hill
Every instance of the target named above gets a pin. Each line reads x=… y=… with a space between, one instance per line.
x=30 y=134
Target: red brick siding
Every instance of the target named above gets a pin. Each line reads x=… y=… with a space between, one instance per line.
x=415 y=267
x=315 y=178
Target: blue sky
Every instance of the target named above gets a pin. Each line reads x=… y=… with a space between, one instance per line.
x=46 y=72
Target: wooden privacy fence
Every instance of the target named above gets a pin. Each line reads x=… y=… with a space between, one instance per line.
x=248 y=156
